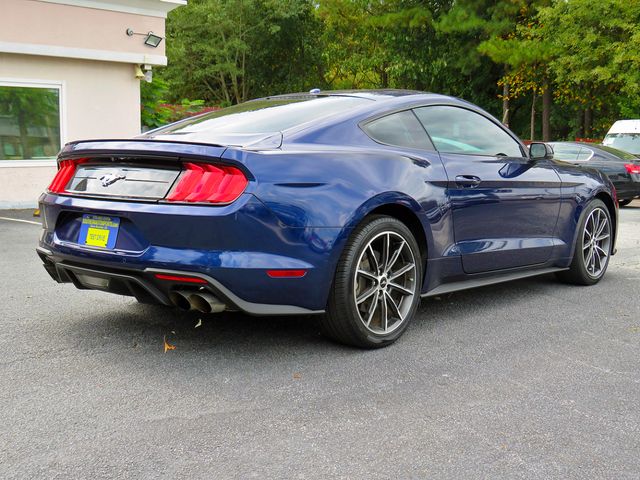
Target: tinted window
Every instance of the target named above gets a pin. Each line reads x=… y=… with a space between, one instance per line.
x=262 y=116
x=585 y=154
x=566 y=152
x=629 y=142
x=457 y=130
x=618 y=153
x=402 y=129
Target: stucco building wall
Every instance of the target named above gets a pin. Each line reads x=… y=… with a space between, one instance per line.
x=99 y=99
x=81 y=48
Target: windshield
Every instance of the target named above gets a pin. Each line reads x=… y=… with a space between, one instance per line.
x=629 y=142
x=259 y=117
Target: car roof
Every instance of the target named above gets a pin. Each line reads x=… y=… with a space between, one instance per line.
x=372 y=94
x=625 y=126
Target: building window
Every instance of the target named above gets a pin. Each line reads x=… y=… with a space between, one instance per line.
x=30 y=121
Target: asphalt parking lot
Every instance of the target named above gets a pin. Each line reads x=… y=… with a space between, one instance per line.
x=531 y=379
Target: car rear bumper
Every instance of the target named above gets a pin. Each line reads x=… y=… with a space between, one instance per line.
x=229 y=248
x=145 y=286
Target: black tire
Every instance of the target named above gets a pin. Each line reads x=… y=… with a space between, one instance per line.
x=624 y=203
x=581 y=273
x=345 y=319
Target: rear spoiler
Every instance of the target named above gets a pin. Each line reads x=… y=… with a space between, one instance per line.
x=142 y=147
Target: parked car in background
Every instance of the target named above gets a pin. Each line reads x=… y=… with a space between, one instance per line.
x=624 y=135
x=622 y=168
x=349 y=205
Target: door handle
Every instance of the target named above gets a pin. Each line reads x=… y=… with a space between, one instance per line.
x=467 y=181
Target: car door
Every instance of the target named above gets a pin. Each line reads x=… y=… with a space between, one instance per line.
x=505 y=207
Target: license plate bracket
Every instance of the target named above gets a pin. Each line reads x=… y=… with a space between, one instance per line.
x=99 y=231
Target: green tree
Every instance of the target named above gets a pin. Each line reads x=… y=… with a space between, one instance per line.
x=226 y=51
x=596 y=58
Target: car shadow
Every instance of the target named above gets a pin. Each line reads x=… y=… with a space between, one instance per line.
x=147 y=327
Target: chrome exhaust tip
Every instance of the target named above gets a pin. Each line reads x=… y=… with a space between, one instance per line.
x=180 y=300
x=206 y=303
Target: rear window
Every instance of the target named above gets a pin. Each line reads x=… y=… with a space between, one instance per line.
x=566 y=152
x=261 y=116
x=629 y=142
x=401 y=129
x=617 y=153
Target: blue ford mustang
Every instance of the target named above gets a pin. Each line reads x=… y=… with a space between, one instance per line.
x=351 y=205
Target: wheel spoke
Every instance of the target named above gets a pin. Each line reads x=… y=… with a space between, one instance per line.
x=385 y=252
x=598 y=247
x=395 y=310
x=596 y=222
x=372 y=258
x=407 y=268
x=367 y=275
x=395 y=256
x=587 y=261
x=400 y=288
x=372 y=308
x=601 y=227
x=384 y=314
x=602 y=237
x=366 y=294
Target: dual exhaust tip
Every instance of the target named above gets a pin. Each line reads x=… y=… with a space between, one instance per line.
x=201 y=301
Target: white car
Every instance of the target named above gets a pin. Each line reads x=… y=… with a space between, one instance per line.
x=624 y=135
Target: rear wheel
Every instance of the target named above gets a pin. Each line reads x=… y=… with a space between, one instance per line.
x=593 y=246
x=376 y=289
x=624 y=203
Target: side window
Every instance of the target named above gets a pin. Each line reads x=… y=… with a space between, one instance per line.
x=567 y=153
x=401 y=129
x=457 y=130
x=585 y=154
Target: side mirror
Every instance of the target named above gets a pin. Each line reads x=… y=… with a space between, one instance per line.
x=540 y=151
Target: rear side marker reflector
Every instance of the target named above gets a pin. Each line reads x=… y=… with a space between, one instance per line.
x=286 y=273
x=65 y=172
x=178 y=278
x=204 y=183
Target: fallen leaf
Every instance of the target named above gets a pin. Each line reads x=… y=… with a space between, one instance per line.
x=167 y=346
x=199 y=324
x=297 y=376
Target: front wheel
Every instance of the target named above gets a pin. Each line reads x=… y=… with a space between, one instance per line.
x=377 y=285
x=593 y=246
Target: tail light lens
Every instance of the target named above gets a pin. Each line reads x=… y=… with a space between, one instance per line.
x=632 y=168
x=66 y=169
x=204 y=183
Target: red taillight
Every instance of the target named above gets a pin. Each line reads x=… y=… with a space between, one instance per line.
x=66 y=169
x=179 y=278
x=204 y=183
x=632 y=168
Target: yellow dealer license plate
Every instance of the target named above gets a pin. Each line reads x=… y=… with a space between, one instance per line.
x=99 y=231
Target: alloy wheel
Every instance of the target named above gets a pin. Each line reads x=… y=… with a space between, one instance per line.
x=596 y=242
x=385 y=282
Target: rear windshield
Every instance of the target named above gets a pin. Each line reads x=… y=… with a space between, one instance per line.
x=618 y=153
x=261 y=116
x=629 y=142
